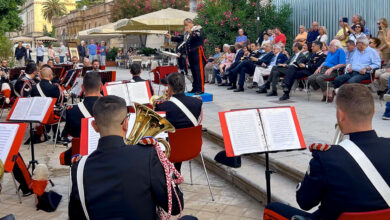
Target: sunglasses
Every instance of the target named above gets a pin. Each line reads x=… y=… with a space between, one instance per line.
x=358 y=27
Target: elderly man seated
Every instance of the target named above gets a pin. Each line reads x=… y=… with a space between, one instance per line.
x=328 y=70
x=363 y=61
x=267 y=63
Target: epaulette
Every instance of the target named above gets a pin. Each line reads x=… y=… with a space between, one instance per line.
x=319 y=147
x=69 y=107
x=76 y=158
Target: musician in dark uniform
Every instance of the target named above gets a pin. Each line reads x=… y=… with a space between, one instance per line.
x=334 y=179
x=181 y=50
x=135 y=70
x=91 y=86
x=178 y=104
x=5 y=86
x=120 y=181
x=25 y=82
x=305 y=69
x=194 y=40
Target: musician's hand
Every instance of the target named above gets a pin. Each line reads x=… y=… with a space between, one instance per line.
x=328 y=71
x=282 y=65
x=179 y=54
x=263 y=65
x=253 y=59
x=2 y=73
x=317 y=70
x=302 y=65
x=168 y=36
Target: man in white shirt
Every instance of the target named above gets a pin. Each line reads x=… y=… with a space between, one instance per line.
x=62 y=52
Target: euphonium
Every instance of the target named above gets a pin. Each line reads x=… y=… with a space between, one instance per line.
x=338 y=136
x=149 y=124
x=156 y=98
x=1 y=170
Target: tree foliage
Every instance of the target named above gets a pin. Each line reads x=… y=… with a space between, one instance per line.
x=9 y=15
x=133 y=8
x=6 y=49
x=83 y=3
x=53 y=8
x=222 y=19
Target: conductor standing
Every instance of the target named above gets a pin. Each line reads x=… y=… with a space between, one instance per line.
x=193 y=41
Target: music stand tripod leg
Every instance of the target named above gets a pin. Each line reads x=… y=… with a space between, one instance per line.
x=16 y=188
x=58 y=128
x=268 y=173
x=32 y=161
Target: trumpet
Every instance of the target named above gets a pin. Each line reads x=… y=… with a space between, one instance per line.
x=149 y=124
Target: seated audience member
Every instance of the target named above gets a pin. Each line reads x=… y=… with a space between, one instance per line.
x=92 y=84
x=50 y=63
x=209 y=68
x=119 y=181
x=284 y=51
x=246 y=65
x=57 y=61
x=335 y=180
x=301 y=36
x=315 y=59
x=271 y=35
x=239 y=53
x=350 y=50
x=86 y=62
x=95 y=66
x=386 y=115
x=279 y=36
x=358 y=33
x=241 y=38
x=342 y=34
x=266 y=40
x=181 y=111
x=382 y=81
x=267 y=63
x=282 y=69
x=374 y=43
x=305 y=50
x=25 y=82
x=222 y=59
x=364 y=60
x=135 y=70
x=229 y=59
x=328 y=70
x=322 y=35
x=5 y=86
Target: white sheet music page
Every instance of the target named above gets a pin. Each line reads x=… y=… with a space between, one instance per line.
x=119 y=90
x=7 y=136
x=77 y=86
x=246 y=132
x=21 y=109
x=279 y=129
x=138 y=92
x=38 y=108
x=93 y=137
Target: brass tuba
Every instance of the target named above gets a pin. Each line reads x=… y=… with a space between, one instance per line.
x=1 y=170
x=149 y=124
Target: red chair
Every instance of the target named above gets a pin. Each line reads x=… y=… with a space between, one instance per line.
x=372 y=215
x=161 y=72
x=186 y=144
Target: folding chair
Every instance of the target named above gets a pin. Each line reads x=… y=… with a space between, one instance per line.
x=186 y=144
x=372 y=215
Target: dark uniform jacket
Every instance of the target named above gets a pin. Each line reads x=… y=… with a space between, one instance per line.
x=265 y=59
x=179 y=48
x=74 y=116
x=315 y=60
x=20 y=85
x=176 y=116
x=195 y=40
x=122 y=182
x=336 y=182
x=48 y=89
x=300 y=59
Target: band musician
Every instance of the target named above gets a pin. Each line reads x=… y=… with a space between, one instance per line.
x=337 y=178
x=25 y=82
x=119 y=181
x=193 y=41
x=181 y=111
x=91 y=86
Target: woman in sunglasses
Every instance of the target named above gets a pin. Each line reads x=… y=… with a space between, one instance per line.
x=359 y=32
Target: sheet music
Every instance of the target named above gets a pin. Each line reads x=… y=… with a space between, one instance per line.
x=138 y=92
x=77 y=86
x=119 y=90
x=114 y=83
x=38 y=108
x=7 y=136
x=246 y=132
x=21 y=109
x=93 y=137
x=279 y=129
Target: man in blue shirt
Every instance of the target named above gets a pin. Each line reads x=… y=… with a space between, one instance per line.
x=328 y=70
x=103 y=53
x=364 y=60
x=241 y=39
x=92 y=50
x=312 y=34
x=40 y=51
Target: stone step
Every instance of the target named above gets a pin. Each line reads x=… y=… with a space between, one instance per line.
x=250 y=177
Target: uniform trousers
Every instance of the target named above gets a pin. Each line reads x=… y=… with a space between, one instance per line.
x=290 y=77
x=240 y=70
x=318 y=80
x=197 y=62
x=182 y=63
x=277 y=72
x=352 y=77
x=259 y=74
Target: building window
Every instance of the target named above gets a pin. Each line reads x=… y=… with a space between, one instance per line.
x=193 y=5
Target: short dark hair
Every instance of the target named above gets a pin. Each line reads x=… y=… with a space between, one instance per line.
x=298 y=45
x=177 y=82
x=95 y=60
x=376 y=40
x=188 y=20
x=135 y=68
x=318 y=43
x=233 y=49
x=31 y=67
x=92 y=81
x=45 y=66
x=350 y=42
x=356 y=101
x=109 y=110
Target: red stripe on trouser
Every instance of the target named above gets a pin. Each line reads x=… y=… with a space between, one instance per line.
x=201 y=67
x=271 y=215
x=23 y=169
x=6 y=93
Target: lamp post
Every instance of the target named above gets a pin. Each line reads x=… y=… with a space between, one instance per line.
x=258 y=17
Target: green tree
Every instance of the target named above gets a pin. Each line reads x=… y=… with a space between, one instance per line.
x=134 y=8
x=53 y=8
x=83 y=3
x=6 y=49
x=9 y=19
x=222 y=19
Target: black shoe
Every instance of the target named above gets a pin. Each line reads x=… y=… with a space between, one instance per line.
x=266 y=85
x=262 y=90
x=224 y=84
x=284 y=97
x=226 y=73
x=198 y=93
x=232 y=87
x=239 y=90
x=272 y=93
x=192 y=91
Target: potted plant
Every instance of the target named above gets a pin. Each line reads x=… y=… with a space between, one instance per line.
x=111 y=55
